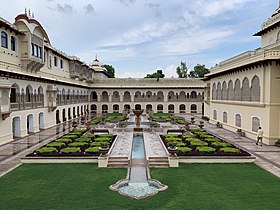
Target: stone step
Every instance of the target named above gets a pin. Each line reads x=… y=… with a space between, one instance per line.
x=158 y=165
x=118 y=165
x=155 y=158
x=158 y=162
x=117 y=162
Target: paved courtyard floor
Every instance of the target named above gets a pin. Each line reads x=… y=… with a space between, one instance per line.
x=267 y=157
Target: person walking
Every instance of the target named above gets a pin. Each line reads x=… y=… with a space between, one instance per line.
x=260 y=136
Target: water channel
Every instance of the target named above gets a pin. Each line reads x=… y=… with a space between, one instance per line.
x=138 y=185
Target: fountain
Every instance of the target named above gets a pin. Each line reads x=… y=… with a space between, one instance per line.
x=138 y=184
x=137 y=113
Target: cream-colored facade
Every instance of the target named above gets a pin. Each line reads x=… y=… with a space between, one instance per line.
x=242 y=92
x=41 y=86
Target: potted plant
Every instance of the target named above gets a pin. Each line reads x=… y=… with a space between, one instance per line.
x=104 y=147
x=201 y=124
x=74 y=124
x=277 y=143
x=219 y=125
x=192 y=120
x=172 y=147
x=240 y=132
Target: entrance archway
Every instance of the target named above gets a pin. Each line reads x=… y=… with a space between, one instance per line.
x=30 y=123
x=57 y=117
x=16 y=127
x=41 y=121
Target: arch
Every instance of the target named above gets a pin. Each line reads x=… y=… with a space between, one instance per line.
x=40 y=94
x=105 y=96
x=57 y=118
x=149 y=95
x=230 y=91
x=28 y=93
x=193 y=94
x=159 y=108
x=138 y=107
x=137 y=96
x=225 y=117
x=69 y=114
x=255 y=89
x=126 y=96
x=63 y=95
x=149 y=107
x=41 y=121
x=4 y=39
x=238 y=120
x=182 y=108
x=116 y=108
x=16 y=127
x=30 y=123
x=215 y=114
x=93 y=108
x=245 y=91
x=219 y=91
x=171 y=108
x=104 y=108
x=182 y=96
x=237 y=90
x=224 y=91
x=116 y=96
x=214 y=92
x=127 y=108
x=256 y=123
x=160 y=96
x=5 y=97
x=193 y=108
x=171 y=96
x=64 y=115
x=15 y=92
x=78 y=111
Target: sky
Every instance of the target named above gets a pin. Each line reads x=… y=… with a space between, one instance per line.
x=138 y=37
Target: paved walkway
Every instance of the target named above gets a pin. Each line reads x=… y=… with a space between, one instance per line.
x=267 y=157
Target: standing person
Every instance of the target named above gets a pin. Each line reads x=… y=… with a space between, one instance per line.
x=260 y=136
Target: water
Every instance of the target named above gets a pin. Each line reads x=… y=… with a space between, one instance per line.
x=138 y=186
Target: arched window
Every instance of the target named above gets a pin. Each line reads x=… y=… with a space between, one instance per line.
x=182 y=96
x=245 y=93
x=225 y=117
x=193 y=94
x=104 y=108
x=160 y=96
x=4 y=39
x=116 y=108
x=182 y=108
x=193 y=108
x=40 y=94
x=13 y=43
x=28 y=94
x=137 y=96
x=256 y=123
x=214 y=92
x=215 y=114
x=230 y=91
x=237 y=90
x=105 y=96
x=255 y=89
x=126 y=96
x=170 y=108
x=159 y=108
x=224 y=91
x=238 y=120
x=15 y=92
x=219 y=91
x=116 y=96
x=93 y=96
x=171 y=96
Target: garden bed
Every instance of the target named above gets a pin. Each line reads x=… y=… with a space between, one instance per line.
x=166 y=117
x=200 y=143
x=76 y=143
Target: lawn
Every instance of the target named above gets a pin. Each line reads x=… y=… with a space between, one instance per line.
x=192 y=186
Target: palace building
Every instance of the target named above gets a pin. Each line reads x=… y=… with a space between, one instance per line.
x=41 y=86
x=242 y=91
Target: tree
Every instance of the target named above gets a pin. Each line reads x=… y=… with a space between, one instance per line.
x=182 y=70
x=198 y=71
x=110 y=70
x=158 y=74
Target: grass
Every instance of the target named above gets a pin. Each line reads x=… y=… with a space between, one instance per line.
x=192 y=186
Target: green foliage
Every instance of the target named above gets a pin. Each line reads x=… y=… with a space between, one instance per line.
x=78 y=144
x=230 y=150
x=88 y=135
x=220 y=144
x=46 y=150
x=181 y=121
x=95 y=144
x=70 y=136
x=211 y=139
x=188 y=136
x=198 y=143
x=182 y=70
x=92 y=150
x=76 y=132
x=171 y=135
x=110 y=70
x=199 y=71
x=193 y=130
x=56 y=144
x=70 y=150
x=181 y=144
x=64 y=140
x=173 y=139
x=95 y=121
x=103 y=139
x=206 y=149
x=184 y=149
x=104 y=144
x=172 y=144
x=157 y=74
x=192 y=139
x=106 y=135
x=83 y=139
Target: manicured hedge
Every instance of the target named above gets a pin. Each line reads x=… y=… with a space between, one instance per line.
x=56 y=144
x=211 y=139
x=171 y=135
x=180 y=144
x=173 y=139
x=186 y=136
x=92 y=150
x=46 y=150
x=72 y=136
x=95 y=144
x=198 y=143
x=230 y=150
x=70 y=150
x=64 y=140
x=184 y=149
x=106 y=135
x=83 y=139
x=206 y=149
x=103 y=139
x=78 y=144
x=192 y=139
x=220 y=144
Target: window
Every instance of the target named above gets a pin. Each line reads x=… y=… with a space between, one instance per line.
x=55 y=61
x=36 y=50
x=32 y=49
x=50 y=61
x=13 y=43
x=238 y=120
x=255 y=124
x=225 y=117
x=61 y=63
x=40 y=52
x=215 y=114
x=4 y=39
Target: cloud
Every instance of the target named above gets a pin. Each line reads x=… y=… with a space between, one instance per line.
x=89 y=9
x=155 y=8
x=65 y=9
x=127 y=2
